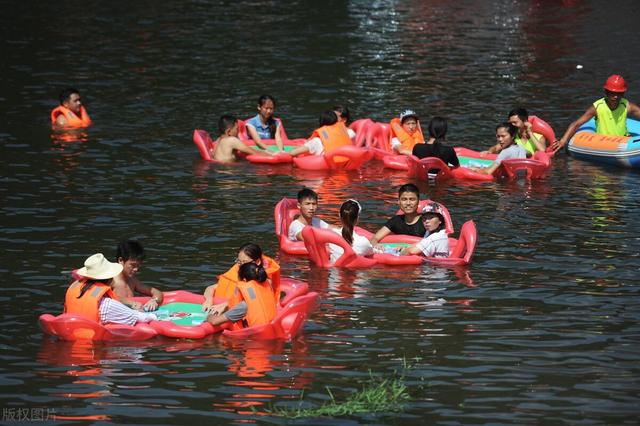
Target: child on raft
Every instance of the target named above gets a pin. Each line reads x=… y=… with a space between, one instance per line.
x=264 y=125
x=307 y=205
x=436 y=244
x=330 y=135
x=433 y=147
x=408 y=223
x=349 y=213
x=91 y=296
x=343 y=115
x=130 y=254
x=505 y=135
x=226 y=287
x=405 y=132
x=228 y=143
x=256 y=302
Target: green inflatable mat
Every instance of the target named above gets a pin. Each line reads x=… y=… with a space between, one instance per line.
x=180 y=313
x=474 y=162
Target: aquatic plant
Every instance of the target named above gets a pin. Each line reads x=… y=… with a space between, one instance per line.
x=376 y=395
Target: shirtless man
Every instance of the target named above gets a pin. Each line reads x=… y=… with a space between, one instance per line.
x=130 y=255
x=228 y=142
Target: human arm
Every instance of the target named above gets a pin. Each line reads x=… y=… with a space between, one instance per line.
x=60 y=122
x=234 y=314
x=411 y=249
x=299 y=150
x=634 y=110
x=238 y=145
x=278 y=136
x=253 y=133
x=122 y=291
x=538 y=140
x=571 y=130
x=495 y=149
x=156 y=296
x=380 y=234
x=208 y=296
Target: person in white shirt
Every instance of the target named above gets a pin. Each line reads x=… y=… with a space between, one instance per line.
x=436 y=243
x=349 y=212
x=307 y=205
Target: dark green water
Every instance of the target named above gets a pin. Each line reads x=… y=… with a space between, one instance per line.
x=541 y=329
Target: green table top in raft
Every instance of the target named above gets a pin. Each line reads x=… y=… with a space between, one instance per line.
x=274 y=148
x=188 y=314
x=474 y=162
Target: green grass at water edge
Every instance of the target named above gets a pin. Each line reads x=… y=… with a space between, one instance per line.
x=375 y=396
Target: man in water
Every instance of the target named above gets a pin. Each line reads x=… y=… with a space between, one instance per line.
x=610 y=113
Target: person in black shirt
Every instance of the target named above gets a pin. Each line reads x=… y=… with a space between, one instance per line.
x=410 y=222
x=433 y=147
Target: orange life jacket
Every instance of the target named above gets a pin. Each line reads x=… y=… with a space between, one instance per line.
x=333 y=136
x=261 y=303
x=407 y=140
x=88 y=305
x=73 y=121
x=228 y=282
x=273 y=272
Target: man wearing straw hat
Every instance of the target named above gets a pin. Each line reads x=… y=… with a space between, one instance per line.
x=91 y=296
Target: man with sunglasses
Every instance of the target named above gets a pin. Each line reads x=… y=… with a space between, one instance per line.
x=610 y=113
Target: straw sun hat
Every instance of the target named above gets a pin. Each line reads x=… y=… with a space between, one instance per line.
x=98 y=268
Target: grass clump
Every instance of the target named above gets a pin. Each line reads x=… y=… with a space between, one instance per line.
x=375 y=396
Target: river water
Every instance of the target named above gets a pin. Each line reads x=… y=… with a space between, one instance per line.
x=542 y=328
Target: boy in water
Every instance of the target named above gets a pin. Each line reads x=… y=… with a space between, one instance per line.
x=130 y=255
x=228 y=142
x=410 y=222
x=307 y=204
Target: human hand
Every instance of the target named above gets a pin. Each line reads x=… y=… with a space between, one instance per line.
x=151 y=305
x=557 y=145
x=137 y=306
x=217 y=309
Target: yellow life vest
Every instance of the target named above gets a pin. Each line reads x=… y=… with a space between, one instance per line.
x=611 y=123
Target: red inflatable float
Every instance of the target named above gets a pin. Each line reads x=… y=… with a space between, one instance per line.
x=348 y=157
x=285 y=212
x=535 y=167
x=460 y=250
x=206 y=145
x=184 y=319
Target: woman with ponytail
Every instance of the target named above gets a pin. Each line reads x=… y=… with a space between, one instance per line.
x=258 y=302
x=349 y=213
x=433 y=147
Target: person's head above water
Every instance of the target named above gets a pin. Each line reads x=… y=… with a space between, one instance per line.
x=327 y=118
x=228 y=125
x=349 y=213
x=438 y=128
x=342 y=112
x=70 y=98
x=251 y=271
x=249 y=253
x=505 y=134
x=433 y=217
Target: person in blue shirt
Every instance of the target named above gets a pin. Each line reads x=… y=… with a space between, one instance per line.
x=264 y=125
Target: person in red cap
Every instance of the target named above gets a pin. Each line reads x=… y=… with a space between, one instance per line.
x=610 y=112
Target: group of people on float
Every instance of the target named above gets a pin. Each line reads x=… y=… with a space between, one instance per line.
x=515 y=138
x=429 y=225
x=103 y=290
